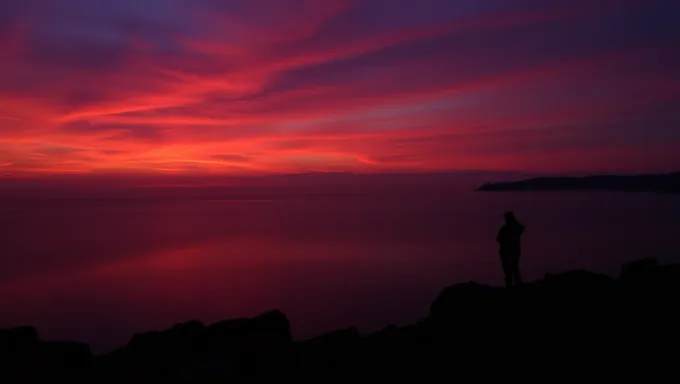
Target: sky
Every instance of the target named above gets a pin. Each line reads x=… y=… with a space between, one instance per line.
x=209 y=87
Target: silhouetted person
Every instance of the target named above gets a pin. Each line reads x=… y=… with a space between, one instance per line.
x=509 y=237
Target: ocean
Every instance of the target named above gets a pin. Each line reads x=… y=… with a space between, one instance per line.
x=99 y=269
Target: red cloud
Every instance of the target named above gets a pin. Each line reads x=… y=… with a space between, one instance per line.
x=294 y=86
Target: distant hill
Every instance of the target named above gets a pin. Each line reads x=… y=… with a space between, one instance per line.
x=661 y=183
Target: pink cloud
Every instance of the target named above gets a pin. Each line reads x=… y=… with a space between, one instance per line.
x=285 y=86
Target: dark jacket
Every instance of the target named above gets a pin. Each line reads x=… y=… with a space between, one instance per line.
x=509 y=237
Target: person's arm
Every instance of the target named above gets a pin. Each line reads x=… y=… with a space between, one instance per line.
x=499 y=236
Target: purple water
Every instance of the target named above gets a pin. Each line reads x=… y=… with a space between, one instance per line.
x=98 y=270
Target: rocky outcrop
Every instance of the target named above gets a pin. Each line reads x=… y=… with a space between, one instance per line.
x=573 y=325
x=225 y=350
x=26 y=358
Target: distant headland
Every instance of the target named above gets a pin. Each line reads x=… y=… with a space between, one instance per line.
x=659 y=183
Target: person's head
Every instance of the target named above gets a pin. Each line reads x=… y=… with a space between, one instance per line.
x=509 y=217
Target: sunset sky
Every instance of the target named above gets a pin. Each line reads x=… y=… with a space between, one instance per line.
x=249 y=86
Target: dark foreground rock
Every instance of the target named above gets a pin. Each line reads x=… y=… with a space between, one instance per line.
x=574 y=325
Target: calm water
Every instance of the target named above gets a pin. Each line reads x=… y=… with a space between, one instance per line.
x=102 y=269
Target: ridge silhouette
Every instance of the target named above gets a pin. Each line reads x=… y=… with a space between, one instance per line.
x=659 y=183
x=576 y=324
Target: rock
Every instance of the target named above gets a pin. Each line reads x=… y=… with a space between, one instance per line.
x=336 y=342
x=20 y=351
x=639 y=271
x=577 y=287
x=68 y=352
x=27 y=358
x=175 y=343
x=333 y=356
x=467 y=301
x=579 y=323
x=268 y=330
